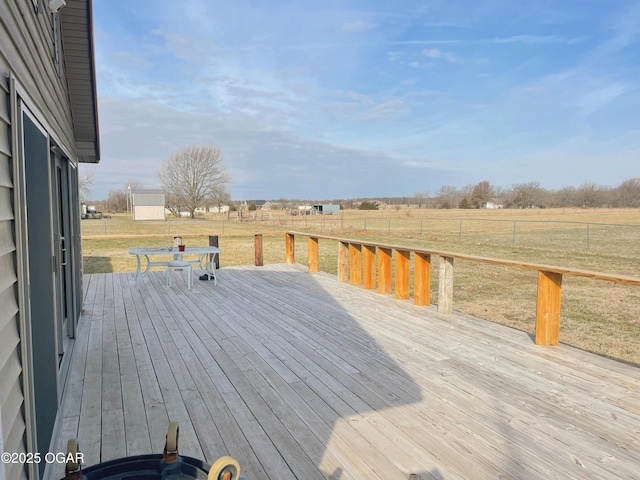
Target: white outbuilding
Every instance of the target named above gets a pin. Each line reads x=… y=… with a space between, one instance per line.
x=148 y=204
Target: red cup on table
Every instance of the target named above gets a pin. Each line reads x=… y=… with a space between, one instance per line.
x=181 y=248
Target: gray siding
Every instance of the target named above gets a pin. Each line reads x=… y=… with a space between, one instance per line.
x=11 y=398
x=26 y=52
x=148 y=197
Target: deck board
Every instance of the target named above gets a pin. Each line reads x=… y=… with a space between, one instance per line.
x=300 y=376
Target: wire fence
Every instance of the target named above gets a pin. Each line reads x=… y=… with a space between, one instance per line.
x=591 y=237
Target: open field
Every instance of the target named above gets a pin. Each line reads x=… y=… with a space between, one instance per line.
x=597 y=316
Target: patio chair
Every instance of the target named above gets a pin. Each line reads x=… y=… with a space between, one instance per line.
x=180 y=265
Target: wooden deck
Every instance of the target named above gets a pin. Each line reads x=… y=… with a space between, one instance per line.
x=301 y=377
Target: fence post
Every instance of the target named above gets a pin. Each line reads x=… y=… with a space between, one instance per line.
x=343 y=261
x=389 y=227
x=355 y=264
x=105 y=226
x=290 y=248
x=313 y=254
x=169 y=232
x=587 y=237
x=460 y=231
x=369 y=263
x=258 y=250
x=548 y=308
x=403 y=271
x=513 y=239
x=421 y=227
x=422 y=279
x=365 y=222
x=445 y=285
x=384 y=270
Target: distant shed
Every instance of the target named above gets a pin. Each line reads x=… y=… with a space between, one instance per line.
x=148 y=204
x=327 y=209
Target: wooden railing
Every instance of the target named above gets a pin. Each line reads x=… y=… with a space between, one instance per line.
x=357 y=265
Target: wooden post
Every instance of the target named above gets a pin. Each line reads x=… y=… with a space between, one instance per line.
x=355 y=264
x=445 y=285
x=422 y=279
x=343 y=261
x=384 y=270
x=290 y=248
x=258 y=250
x=403 y=274
x=369 y=264
x=213 y=242
x=313 y=255
x=548 y=308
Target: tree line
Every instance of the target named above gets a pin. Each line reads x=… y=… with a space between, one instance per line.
x=533 y=195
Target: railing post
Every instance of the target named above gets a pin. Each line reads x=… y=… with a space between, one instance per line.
x=313 y=255
x=384 y=270
x=403 y=274
x=213 y=242
x=445 y=285
x=290 y=248
x=422 y=279
x=258 y=250
x=369 y=264
x=355 y=264
x=548 y=308
x=343 y=261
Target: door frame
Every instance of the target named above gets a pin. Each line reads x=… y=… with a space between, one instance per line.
x=21 y=103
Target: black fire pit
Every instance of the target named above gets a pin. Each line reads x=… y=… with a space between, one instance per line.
x=166 y=466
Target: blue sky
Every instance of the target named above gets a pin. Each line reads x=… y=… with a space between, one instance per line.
x=354 y=98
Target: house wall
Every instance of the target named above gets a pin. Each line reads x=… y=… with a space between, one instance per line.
x=26 y=54
x=11 y=393
x=143 y=212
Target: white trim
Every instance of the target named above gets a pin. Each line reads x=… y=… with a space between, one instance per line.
x=38 y=117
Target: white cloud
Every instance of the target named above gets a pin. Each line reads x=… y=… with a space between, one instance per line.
x=436 y=53
x=264 y=162
x=537 y=39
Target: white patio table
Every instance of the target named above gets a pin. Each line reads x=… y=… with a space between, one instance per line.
x=206 y=258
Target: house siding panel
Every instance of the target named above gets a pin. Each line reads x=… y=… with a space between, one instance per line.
x=11 y=395
x=26 y=55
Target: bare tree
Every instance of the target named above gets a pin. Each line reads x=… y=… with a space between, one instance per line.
x=85 y=184
x=448 y=196
x=221 y=197
x=590 y=195
x=481 y=194
x=193 y=176
x=527 y=195
x=116 y=201
x=627 y=194
x=422 y=199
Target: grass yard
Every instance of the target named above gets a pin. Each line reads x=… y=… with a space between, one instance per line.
x=598 y=316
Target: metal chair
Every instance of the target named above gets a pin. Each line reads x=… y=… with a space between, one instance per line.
x=180 y=265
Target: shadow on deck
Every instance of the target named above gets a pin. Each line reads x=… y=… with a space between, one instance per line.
x=299 y=376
